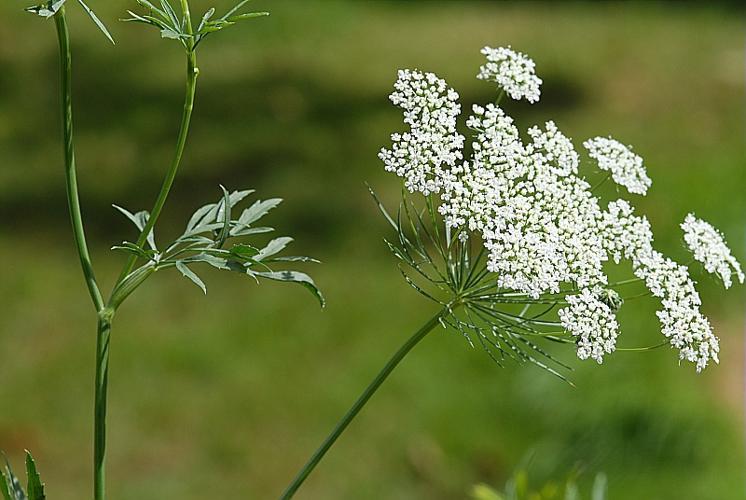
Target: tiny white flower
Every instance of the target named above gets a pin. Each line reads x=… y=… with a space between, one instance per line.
x=432 y=145
x=708 y=247
x=593 y=322
x=513 y=71
x=625 y=166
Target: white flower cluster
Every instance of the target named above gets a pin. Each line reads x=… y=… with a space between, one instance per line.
x=513 y=71
x=432 y=145
x=538 y=219
x=708 y=247
x=625 y=166
x=593 y=322
x=628 y=235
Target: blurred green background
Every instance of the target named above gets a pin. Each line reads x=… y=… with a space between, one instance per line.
x=226 y=396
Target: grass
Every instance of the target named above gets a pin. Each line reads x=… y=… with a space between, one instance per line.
x=229 y=394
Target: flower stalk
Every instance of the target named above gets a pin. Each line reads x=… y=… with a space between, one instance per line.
x=348 y=417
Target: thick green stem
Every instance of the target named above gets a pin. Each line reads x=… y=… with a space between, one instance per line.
x=360 y=403
x=99 y=413
x=71 y=181
x=191 y=89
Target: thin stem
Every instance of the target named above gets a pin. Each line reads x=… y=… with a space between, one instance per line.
x=71 y=181
x=191 y=89
x=99 y=413
x=360 y=403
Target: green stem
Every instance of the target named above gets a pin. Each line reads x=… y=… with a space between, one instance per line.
x=360 y=403
x=191 y=89
x=71 y=181
x=103 y=336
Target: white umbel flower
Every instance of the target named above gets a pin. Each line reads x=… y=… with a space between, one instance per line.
x=593 y=322
x=432 y=145
x=626 y=235
x=513 y=71
x=625 y=166
x=708 y=247
x=681 y=320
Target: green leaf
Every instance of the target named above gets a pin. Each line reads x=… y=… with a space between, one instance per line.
x=600 y=487
x=35 y=487
x=206 y=18
x=258 y=210
x=131 y=248
x=5 y=487
x=140 y=219
x=225 y=213
x=243 y=251
x=15 y=490
x=190 y=274
x=294 y=277
x=96 y=20
x=171 y=14
x=245 y=230
x=273 y=247
x=149 y=5
x=248 y=15
x=216 y=262
x=46 y=10
x=293 y=258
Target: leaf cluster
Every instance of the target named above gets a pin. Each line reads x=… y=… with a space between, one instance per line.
x=10 y=486
x=215 y=235
x=51 y=7
x=177 y=27
x=450 y=270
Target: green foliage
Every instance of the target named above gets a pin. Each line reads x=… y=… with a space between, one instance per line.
x=206 y=239
x=11 y=488
x=175 y=27
x=518 y=487
x=51 y=7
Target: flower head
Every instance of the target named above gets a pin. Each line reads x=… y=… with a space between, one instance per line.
x=708 y=247
x=589 y=318
x=513 y=71
x=542 y=231
x=432 y=145
x=625 y=166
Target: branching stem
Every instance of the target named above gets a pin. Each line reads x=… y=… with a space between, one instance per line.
x=191 y=90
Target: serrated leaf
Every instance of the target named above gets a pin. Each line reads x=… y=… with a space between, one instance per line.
x=294 y=277
x=96 y=21
x=35 y=487
x=258 y=210
x=188 y=273
x=273 y=247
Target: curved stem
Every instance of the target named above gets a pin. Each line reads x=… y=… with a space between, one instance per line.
x=71 y=181
x=360 y=403
x=191 y=89
x=103 y=336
